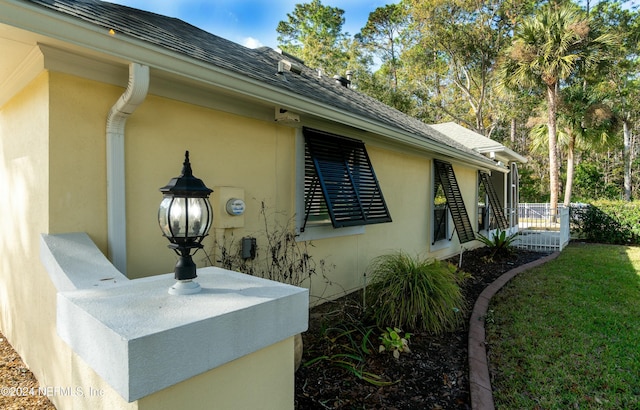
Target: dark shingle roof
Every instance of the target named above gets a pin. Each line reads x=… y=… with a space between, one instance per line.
x=258 y=64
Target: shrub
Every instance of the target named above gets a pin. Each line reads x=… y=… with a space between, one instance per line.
x=614 y=222
x=411 y=293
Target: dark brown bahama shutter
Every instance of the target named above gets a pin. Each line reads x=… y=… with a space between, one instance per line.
x=340 y=169
x=494 y=201
x=446 y=176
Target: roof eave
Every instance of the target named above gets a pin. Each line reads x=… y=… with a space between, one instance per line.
x=89 y=36
x=506 y=153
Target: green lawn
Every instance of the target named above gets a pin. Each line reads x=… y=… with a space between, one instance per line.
x=567 y=334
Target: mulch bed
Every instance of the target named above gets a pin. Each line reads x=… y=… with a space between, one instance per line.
x=18 y=386
x=435 y=375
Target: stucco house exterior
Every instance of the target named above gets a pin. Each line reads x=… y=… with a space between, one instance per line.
x=99 y=102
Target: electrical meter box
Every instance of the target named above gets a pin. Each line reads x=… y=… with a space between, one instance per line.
x=228 y=207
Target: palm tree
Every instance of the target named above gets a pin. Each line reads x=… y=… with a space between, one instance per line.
x=584 y=122
x=546 y=50
x=589 y=123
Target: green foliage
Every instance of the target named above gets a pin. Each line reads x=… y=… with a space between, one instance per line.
x=313 y=33
x=454 y=48
x=548 y=51
x=500 y=243
x=393 y=342
x=412 y=293
x=534 y=187
x=381 y=37
x=382 y=32
x=350 y=352
x=614 y=222
x=346 y=343
x=377 y=86
x=589 y=181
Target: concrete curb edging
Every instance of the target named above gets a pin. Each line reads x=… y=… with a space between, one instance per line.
x=479 y=380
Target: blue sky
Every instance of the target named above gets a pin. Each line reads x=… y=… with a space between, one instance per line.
x=250 y=22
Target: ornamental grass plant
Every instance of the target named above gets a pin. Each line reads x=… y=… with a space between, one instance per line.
x=414 y=294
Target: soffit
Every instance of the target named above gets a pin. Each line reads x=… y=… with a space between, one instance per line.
x=13 y=51
x=16 y=49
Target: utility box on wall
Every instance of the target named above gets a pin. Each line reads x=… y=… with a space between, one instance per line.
x=228 y=207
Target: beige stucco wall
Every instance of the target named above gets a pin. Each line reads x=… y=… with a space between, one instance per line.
x=27 y=296
x=77 y=203
x=77 y=185
x=259 y=157
x=262 y=380
x=225 y=150
x=406 y=180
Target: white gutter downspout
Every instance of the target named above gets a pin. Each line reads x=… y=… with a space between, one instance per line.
x=133 y=96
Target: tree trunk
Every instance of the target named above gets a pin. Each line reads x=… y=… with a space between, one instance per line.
x=512 y=134
x=627 y=159
x=552 y=95
x=570 y=168
x=394 y=64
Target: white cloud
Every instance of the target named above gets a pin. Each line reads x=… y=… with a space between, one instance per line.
x=251 y=42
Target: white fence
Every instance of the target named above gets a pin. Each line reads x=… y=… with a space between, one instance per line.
x=540 y=230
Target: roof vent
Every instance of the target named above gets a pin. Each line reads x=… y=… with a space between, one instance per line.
x=342 y=81
x=284 y=65
x=286 y=117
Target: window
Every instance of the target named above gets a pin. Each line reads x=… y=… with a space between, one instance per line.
x=483 y=208
x=440 y=214
x=340 y=186
x=496 y=212
x=444 y=176
x=513 y=193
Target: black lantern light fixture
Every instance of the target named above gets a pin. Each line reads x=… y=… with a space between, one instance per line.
x=185 y=216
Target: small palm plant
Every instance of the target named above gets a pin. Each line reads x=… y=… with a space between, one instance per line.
x=500 y=243
x=411 y=293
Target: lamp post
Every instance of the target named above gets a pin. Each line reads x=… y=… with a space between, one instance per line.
x=185 y=216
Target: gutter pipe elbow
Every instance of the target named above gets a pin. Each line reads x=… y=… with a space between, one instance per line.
x=133 y=96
